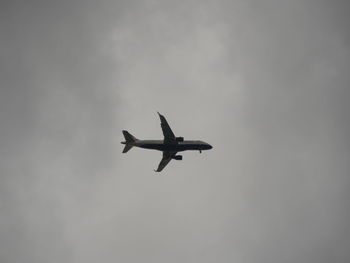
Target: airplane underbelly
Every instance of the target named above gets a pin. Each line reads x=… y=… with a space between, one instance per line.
x=152 y=146
x=182 y=147
x=169 y=147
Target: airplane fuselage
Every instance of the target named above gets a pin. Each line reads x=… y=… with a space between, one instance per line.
x=169 y=146
x=172 y=147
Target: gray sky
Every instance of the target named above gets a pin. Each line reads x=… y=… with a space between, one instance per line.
x=265 y=82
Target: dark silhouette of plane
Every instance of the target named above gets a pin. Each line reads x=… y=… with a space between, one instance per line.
x=169 y=146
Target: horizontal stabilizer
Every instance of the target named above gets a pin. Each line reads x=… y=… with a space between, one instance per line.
x=128 y=137
x=127 y=148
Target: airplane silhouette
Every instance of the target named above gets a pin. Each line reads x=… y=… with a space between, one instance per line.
x=169 y=146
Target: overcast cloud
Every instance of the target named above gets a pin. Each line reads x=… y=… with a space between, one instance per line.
x=265 y=82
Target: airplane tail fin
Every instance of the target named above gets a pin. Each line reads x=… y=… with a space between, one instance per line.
x=129 y=139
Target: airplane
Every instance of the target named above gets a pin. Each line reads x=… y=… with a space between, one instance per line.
x=170 y=146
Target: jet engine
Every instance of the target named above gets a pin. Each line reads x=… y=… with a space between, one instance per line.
x=179 y=139
x=177 y=157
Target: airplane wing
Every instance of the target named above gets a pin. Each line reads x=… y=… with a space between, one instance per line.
x=165 y=160
x=169 y=136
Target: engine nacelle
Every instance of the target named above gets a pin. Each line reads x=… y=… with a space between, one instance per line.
x=179 y=139
x=177 y=157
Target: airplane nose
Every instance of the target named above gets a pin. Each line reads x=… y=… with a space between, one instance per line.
x=209 y=146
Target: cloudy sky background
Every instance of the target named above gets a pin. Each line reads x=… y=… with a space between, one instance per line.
x=265 y=82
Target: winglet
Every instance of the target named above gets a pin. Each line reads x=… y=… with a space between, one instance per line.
x=162 y=118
